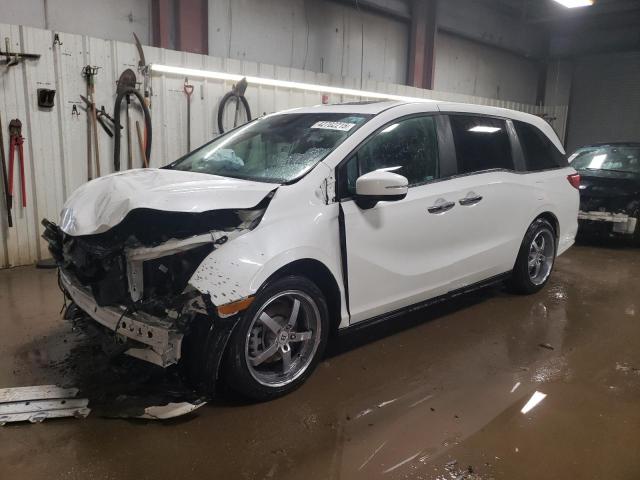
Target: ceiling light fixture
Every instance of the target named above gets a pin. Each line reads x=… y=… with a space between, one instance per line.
x=575 y=3
x=270 y=82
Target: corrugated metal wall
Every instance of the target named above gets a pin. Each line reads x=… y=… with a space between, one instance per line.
x=466 y=66
x=114 y=19
x=56 y=140
x=605 y=99
x=321 y=36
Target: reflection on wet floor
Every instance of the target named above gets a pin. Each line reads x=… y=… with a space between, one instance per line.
x=489 y=386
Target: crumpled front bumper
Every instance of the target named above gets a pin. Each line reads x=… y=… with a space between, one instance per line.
x=156 y=340
x=620 y=222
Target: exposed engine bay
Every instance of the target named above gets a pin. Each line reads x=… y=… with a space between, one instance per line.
x=607 y=208
x=134 y=278
x=609 y=188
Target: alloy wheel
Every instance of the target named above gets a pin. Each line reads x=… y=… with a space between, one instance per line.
x=283 y=338
x=541 y=256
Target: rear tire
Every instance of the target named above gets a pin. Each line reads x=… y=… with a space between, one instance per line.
x=535 y=259
x=279 y=340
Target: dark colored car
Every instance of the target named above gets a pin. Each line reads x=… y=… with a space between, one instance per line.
x=609 y=189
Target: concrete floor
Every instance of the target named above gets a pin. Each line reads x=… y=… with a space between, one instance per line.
x=431 y=396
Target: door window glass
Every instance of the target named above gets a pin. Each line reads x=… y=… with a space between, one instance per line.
x=408 y=147
x=539 y=152
x=482 y=143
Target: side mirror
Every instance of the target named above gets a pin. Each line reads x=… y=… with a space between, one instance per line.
x=380 y=185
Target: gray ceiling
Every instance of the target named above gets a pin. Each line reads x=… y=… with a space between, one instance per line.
x=603 y=14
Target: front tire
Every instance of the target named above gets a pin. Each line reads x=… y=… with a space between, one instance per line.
x=535 y=259
x=279 y=340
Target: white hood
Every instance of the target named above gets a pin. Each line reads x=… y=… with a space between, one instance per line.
x=104 y=202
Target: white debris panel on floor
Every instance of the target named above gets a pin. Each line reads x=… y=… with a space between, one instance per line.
x=170 y=410
x=38 y=403
x=55 y=139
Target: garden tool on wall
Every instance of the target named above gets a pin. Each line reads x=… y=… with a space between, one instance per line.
x=127 y=81
x=89 y=73
x=5 y=183
x=104 y=119
x=188 y=90
x=143 y=68
x=16 y=145
x=145 y=162
x=14 y=58
x=126 y=88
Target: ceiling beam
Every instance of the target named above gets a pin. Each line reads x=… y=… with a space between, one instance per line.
x=395 y=9
x=193 y=19
x=162 y=23
x=422 y=43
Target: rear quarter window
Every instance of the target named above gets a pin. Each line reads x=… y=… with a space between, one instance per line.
x=539 y=152
x=482 y=143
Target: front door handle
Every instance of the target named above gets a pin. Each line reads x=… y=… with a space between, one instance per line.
x=441 y=206
x=470 y=199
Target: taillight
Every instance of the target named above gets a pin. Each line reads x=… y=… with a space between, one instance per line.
x=574 y=180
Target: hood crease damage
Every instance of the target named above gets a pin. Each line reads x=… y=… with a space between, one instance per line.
x=133 y=278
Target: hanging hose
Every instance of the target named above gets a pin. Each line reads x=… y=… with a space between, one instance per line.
x=116 y=125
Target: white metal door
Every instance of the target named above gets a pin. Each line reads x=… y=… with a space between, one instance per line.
x=398 y=253
x=494 y=208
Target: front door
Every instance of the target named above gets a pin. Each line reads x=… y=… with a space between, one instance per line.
x=400 y=253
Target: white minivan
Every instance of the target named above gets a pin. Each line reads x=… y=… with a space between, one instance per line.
x=240 y=260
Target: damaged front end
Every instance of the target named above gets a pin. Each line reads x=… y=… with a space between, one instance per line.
x=608 y=215
x=134 y=278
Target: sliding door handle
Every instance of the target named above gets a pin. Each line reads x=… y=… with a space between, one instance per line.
x=441 y=206
x=470 y=199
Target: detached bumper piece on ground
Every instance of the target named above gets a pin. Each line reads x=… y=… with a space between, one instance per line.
x=36 y=404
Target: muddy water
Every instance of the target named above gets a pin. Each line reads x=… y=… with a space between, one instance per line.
x=436 y=395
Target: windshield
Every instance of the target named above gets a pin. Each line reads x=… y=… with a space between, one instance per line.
x=276 y=149
x=615 y=158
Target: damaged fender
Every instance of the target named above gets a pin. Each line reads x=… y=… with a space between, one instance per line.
x=236 y=270
x=233 y=272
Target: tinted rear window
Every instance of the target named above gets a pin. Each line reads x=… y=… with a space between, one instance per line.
x=482 y=143
x=539 y=152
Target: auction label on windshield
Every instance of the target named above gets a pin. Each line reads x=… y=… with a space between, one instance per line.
x=342 y=126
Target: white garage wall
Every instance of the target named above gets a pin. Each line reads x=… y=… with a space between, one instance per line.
x=56 y=142
x=464 y=66
x=316 y=35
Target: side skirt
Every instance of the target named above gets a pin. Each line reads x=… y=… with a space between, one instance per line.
x=426 y=303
